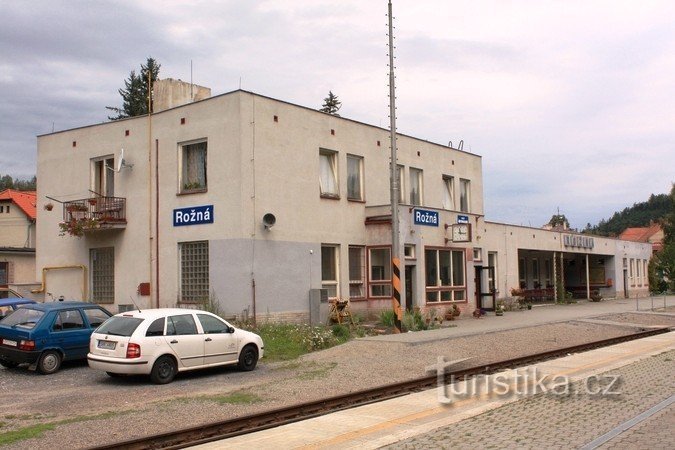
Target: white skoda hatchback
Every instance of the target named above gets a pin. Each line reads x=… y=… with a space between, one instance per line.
x=162 y=342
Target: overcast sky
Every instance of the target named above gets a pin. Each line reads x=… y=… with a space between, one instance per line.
x=571 y=104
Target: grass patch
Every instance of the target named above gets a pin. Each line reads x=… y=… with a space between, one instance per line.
x=36 y=431
x=319 y=372
x=285 y=341
x=236 y=398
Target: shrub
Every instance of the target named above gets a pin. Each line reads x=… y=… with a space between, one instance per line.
x=341 y=332
x=387 y=317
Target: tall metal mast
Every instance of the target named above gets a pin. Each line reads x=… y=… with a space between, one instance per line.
x=394 y=184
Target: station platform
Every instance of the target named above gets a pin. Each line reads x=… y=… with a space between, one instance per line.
x=576 y=390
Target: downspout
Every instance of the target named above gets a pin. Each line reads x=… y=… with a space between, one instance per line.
x=150 y=236
x=253 y=197
x=157 y=218
x=78 y=266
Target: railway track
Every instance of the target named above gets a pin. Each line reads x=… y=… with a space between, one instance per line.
x=280 y=416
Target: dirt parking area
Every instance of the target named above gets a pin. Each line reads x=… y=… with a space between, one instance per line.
x=79 y=407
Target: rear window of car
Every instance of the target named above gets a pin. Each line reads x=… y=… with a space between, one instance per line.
x=119 y=326
x=23 y=317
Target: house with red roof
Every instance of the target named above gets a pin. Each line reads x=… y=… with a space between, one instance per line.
x=652 y=234
x=17 y=240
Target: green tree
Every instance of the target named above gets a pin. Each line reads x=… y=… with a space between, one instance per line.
x=559 y=220
x=331 y=104
x=7 y=182
x=136 y=91
x=664 y=261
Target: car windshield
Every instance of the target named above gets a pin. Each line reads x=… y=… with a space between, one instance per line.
x=23 y=317
x=119 y=326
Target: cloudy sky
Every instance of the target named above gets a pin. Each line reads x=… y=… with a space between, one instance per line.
x=570 y=103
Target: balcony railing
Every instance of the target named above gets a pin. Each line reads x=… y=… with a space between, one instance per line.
x=97 y=213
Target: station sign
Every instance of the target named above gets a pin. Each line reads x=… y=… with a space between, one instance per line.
x=425 y=217
x=193 y=215
x=462 y=219
x=571 y=240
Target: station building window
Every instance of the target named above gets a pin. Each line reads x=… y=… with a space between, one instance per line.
x=357 y=271
x=415 y=186
x=445 y=275
x=492 y=275
x=547 y=273
x=379 y=269
x=409 y=251
x=448 y=192
x=464 y=195
x=330 y=281
x=522 y=273
x=535 y=273
x=193 y=167
x=194 y=271
x=102 y=263
x=328 y=174
x=631 y=269
x=103 y=177
x=355 y=178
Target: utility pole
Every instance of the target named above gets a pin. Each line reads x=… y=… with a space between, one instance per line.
x=394 y=185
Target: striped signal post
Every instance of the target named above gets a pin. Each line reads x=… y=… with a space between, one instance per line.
x=396 y=298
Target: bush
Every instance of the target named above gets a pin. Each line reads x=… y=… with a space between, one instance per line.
x=341 y=332
x=413 y=321
x=387 y=317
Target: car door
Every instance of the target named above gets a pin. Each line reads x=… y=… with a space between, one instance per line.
x=70 y=334
x=184 y=339
x=220 y=344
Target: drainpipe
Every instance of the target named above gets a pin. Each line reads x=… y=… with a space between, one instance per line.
x=78 y=266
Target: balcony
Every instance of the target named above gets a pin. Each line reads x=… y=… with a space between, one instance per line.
x=93 y=214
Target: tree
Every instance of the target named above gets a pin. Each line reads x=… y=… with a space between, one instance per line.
x=558 y=220
x=7 y=182
x=663 y=262
x=331 y=104
x=136 y=92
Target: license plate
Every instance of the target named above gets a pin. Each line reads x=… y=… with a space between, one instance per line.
x=107 y=345
x=8 y=342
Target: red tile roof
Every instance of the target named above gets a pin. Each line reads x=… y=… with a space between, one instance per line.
x=25 y=200
x=640 y=234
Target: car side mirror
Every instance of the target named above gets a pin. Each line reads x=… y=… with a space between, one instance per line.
x=230 y=330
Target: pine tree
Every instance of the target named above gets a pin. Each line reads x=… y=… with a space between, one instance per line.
x=135 y=91
x=331 y=104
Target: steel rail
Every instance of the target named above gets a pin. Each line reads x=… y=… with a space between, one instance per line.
x=280 y=416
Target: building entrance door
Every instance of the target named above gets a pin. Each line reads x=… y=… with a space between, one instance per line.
x=485 y=293
x=409 y=277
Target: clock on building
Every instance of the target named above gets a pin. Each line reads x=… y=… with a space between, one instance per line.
x=461 y=232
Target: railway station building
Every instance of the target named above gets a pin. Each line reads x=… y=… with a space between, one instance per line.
x=263 y=207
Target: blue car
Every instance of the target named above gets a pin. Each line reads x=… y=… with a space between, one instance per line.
x=7 y=305
x=46 y=334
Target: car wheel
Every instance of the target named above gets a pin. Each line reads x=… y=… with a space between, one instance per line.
x=49 y=362
x=248 y=358
x=164 y=370
x=8 y=364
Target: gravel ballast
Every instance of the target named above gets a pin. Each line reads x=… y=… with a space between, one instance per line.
x=103 y=410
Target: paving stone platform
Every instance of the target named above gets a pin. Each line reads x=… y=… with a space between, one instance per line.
x=645 y=369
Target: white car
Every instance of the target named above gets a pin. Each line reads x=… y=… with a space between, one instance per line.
x=162 y=342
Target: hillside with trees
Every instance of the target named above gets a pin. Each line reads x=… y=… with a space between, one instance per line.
x=7 y=182
x=639 y=215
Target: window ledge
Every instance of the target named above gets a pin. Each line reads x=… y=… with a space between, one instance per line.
x=356 y=200
x=330 y=196
x=192 y=191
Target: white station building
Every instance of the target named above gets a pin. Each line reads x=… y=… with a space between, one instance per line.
x=265 y=207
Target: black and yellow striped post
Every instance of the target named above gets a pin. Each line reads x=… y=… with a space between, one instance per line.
x=396 y=297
